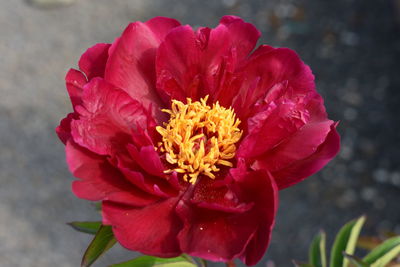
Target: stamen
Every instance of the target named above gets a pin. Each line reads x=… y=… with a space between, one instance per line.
x=198 y=137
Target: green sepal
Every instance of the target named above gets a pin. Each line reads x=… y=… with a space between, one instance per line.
x=103 y=241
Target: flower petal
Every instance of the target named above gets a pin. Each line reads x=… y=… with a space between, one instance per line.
x=107 y=118
x=263 y=72
x=100 y=180
x=131 y=65
x=151 y=230
x=93 y=61
x=243 y=36
x=206 y=227
x=75 y=80
x=302 y=169
x=194 y=64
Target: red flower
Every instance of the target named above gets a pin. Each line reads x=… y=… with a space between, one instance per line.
x=187 y=135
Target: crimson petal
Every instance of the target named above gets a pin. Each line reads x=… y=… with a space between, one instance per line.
x=151 y=230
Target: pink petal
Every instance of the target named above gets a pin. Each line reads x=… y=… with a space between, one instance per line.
x=75 y=80
x=131 y=65
x=93 y=61
x=64 y=129
x=107 y=118
x=244 y=36
x=304 y=168
x=151 y=230
x=100 y=180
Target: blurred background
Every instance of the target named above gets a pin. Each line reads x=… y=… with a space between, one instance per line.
x=353 y=47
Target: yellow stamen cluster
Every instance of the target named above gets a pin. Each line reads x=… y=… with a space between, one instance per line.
x=198 y=137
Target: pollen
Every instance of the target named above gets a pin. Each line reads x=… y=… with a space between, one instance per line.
x=199 y=139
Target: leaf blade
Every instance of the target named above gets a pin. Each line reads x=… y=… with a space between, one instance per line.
x=149 y=261
x=103 y=241
x=384 y=252
x=86 y=227
x=346 y=241
x=317 y=253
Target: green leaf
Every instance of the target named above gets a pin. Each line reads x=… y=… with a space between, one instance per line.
x=86 y=227
x=302 y=264
x=149 y=261
x=102 y=242
x=317 y=253
x=356 y=262
x=346 y=241
x=384 y=253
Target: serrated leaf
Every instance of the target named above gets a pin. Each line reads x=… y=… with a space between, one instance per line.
x=356 y=262
x=384 y=253
x=86 y=227
x=345 y=241
x=149 y=261
x=317 y=252
x=103 y=241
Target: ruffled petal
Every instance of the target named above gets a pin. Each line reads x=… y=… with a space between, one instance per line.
x=235 y=223
x=93 y=61
x=64 y=129
x=196 y=63
x=107 y=118
x=75 y=81
x=269 y=128
x=299 y=170
x=151 y=230
x=263 y=72
x=99 y=180
x=131 y=65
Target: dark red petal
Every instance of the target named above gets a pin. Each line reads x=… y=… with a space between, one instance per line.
x=264 y=71
x=302 y=169
x=194 y=64
x=75 y=80
x=148 y=159
x=107 y=118
x=243 y=36
x=100 y=180
x=301 y=145
x=148 y=183
x=219 y=232
x=151 y=230
x=260 y=187
x=269 y=128
x=93 y=61
x=131 y=65
x=64 y=129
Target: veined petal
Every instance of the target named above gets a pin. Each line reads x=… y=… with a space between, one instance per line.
x=93 y=61
x=107 y=118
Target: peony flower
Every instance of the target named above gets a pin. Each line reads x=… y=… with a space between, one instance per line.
x=186 y=136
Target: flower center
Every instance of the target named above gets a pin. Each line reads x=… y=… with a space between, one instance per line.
x=197 y=138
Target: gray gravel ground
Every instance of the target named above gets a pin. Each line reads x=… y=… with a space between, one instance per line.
x=353 y=47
